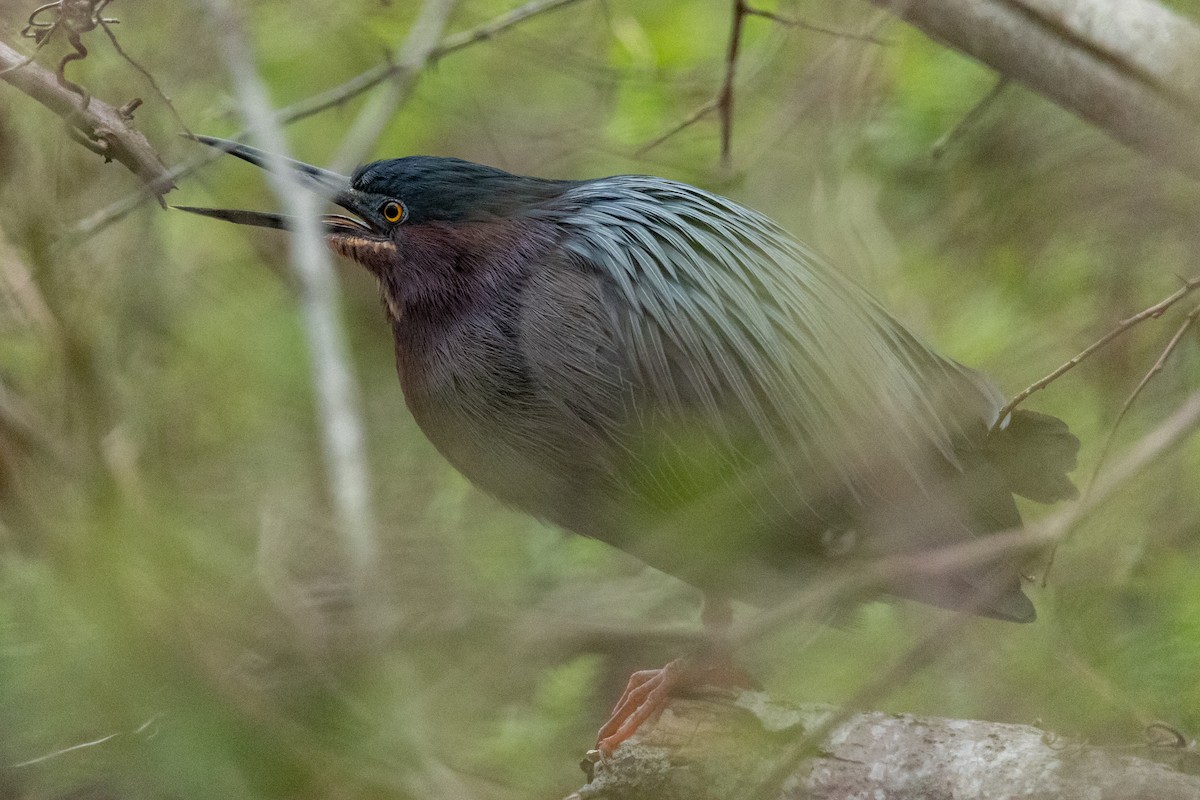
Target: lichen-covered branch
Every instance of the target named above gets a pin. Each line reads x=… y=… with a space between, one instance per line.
x=725 y=747
x=105 y=129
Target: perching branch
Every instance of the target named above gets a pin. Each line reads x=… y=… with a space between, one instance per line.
x=104 y=129
x=1129 y=67
x=751 y=747
x=718 y=746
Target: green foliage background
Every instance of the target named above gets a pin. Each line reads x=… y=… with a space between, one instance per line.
x=168 y=567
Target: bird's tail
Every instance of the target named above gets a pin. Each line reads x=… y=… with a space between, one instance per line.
x=1034 y=452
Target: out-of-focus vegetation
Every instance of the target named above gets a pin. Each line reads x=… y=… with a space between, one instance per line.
x=166 y=545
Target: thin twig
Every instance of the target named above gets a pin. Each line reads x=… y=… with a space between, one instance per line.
x=328 y=99
x=1171 y=432
x=1188 y=321
x=724 y=101
x=83 y=745
x=112 y=37
x=982 y=550
x=410 y=62
x=1153 y=312
x=789 y=22
x=969 y=119
x=691 y=119
x=1184 y=327
x=360 y=83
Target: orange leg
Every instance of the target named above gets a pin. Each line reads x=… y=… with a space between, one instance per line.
x=644 y=698
x=649 y=690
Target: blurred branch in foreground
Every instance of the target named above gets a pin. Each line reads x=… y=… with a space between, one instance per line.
x=335 y=388
x=706 y=747
x=1130 y=67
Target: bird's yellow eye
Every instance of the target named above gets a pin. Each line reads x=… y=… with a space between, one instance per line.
x=393 y=211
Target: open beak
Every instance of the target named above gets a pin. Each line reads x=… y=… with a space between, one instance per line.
x=331 y=185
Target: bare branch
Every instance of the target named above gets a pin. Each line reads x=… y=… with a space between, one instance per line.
x=826 y=730
x=376 y=75
x=713 y=745
x=724 y=101
x=1188 y=322
x=331 y=98
x=411 y=59
x=1153 y=312
x=105 y=128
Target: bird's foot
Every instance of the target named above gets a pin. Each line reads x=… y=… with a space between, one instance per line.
x=649 y=690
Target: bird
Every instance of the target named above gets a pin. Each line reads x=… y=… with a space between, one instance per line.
x=652 y=365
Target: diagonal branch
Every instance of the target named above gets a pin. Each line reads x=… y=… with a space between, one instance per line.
x=107 y=130
x=1129 y=67
x=1159 y=365
x=364 y=81
x=411 y=59
x=1153 y=312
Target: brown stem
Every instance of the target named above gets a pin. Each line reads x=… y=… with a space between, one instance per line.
x=1153 y=312
x=724 y=101
x=98 y=122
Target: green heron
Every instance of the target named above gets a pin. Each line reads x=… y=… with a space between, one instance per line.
x=651 y=365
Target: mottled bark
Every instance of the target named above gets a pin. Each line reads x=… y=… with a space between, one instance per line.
x=104 y=129
x=744 y=747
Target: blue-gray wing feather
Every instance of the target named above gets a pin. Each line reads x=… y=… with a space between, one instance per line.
x=712 y=307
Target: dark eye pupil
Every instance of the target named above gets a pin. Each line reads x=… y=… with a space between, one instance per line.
x=392 y=211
